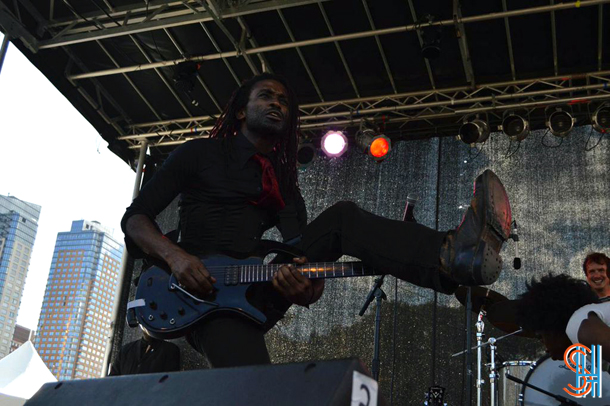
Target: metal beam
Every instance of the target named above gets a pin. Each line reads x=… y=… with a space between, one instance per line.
x=3 y=50
x=554 y=38
x=215 y=44
x=128 y=79
x=118 y=12
x=383 y=58
x=254 y=44
x=338 y=46
x=161 y=75
x=224 y=29
x=199 y=79
x=184 y=17
x=420 y=95
x=421 y=44
x=14 y=29
x=460 y=32
x=509 y=43
x=303 y=61
x=356 y=120
x=413 y=107
x=74 y=59
x=334 y=38
x=600 y=36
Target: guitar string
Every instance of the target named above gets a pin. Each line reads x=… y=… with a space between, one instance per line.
x=213 y=271
x=221 y=270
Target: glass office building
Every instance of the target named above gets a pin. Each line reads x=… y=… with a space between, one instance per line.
x=77 y=307
x=18 y=226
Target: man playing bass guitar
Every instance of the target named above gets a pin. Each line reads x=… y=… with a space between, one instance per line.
x=242 y=181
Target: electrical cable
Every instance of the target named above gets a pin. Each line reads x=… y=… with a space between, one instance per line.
x=548 y=145
x=514 y=152
x=589 y=139
x=470 y=157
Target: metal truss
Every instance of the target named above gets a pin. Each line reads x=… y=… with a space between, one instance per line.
x=157 y=15
x=424 y=106
x=457 y=21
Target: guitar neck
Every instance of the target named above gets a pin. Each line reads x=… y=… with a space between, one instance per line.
x=319 y=270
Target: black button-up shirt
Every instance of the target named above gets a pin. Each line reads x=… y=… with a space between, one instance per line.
x=217 y=181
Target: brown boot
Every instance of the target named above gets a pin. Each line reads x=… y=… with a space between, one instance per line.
x=471 y=253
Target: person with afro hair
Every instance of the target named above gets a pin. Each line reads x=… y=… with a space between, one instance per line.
x=563 y=311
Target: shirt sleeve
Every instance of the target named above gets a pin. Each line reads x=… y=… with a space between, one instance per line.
x=301 y=211
x=581 y=315
x=293 y=218
x=162 y=189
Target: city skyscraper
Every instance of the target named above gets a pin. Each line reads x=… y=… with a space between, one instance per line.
x=77 y=306
x=20 y=336
x=18 y=226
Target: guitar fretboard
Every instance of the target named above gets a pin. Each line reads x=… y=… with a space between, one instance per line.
x=319 y=270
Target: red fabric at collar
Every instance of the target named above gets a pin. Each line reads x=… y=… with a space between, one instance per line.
x=270 y=196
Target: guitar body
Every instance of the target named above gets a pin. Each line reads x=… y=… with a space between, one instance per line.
x=166 y=312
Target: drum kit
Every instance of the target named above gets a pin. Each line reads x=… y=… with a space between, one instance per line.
x=519 y=382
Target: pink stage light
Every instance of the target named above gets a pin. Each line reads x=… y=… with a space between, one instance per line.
x=334 y=143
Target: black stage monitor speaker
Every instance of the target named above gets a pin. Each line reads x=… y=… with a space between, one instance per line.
x=303 y=384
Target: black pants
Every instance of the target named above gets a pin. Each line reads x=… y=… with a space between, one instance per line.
x=408 y=251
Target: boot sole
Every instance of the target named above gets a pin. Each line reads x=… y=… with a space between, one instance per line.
x=489 y=264
x=498 y=218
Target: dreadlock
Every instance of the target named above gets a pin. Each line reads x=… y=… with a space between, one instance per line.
x=286 y=149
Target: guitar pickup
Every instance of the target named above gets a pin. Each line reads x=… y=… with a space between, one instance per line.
x=232 y=276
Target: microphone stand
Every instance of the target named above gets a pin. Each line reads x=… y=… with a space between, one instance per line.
x=379 y=295
x=468 y=349
x=563 y=401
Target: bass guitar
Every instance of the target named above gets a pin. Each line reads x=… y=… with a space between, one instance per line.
x=166 y=310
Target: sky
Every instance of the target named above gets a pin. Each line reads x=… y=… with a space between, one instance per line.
x=51 y=156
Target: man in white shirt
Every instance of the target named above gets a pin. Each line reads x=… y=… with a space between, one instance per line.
x=595 y=268
x=563 y=311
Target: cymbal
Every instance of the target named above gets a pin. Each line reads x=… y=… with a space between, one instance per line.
x=504 y=316
x=482 y=298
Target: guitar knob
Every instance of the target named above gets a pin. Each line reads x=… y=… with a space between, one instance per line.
x=153 y=305
x=181 y=311
x=163 y=315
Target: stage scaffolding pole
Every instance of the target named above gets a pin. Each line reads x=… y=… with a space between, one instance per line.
x=3 y=50
x=121 y=280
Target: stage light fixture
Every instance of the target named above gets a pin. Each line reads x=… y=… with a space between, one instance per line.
x=375 y=145
x=559 y=121
x=474 y=131
x=431 y=39
x=334 y=143
x=601 y=118
x=306 y=154
x=514 y=126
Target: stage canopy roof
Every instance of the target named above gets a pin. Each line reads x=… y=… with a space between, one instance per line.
x=161 y=71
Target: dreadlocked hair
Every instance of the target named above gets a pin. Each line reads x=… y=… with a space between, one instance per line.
x=549 y=303
x=285 y=163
